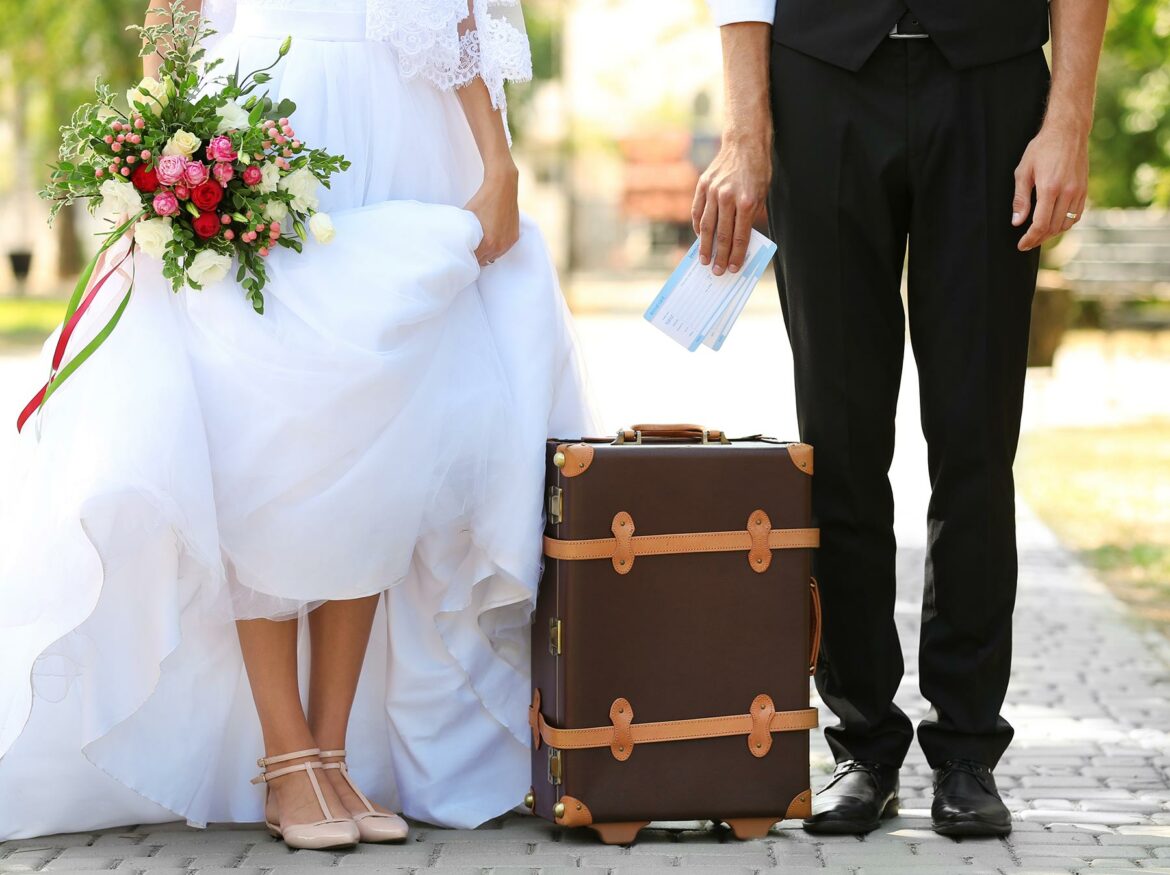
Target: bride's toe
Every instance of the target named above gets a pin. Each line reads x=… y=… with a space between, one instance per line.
x=376 y=826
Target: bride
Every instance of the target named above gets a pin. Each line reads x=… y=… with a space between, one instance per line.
x=312 y=534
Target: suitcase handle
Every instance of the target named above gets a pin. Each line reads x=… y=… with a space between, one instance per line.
x=814 y=636
x=679 y=431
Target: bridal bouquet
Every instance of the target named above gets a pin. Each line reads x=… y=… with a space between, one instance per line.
x=197 y=168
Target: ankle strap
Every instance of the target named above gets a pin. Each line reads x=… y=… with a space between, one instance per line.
x=332 y=753
x=267 y=776
x=265 y=762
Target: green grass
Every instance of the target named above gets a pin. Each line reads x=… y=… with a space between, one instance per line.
x=26 y=322
x=1106 y=493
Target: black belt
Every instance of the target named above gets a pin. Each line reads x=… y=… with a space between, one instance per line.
x=908 y=27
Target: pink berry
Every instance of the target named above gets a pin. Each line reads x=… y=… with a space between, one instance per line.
x=263 y=250
x=116 y=126
x=276 y=227
x=229 y=234
x=107 y=139
x=117 y=147
x=267 y=144
x=130 y=159
x=117 y=161
x=121 y=138
x=296 y=144
x=145 y=154
x=135 y=139
x=225 y=219
x=248 y=214
x=260 y=227
x=139 y=123
x=125 y=171
x=113 y=168
x=99 y=173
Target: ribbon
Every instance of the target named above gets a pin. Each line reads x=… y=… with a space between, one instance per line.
x=83 y=296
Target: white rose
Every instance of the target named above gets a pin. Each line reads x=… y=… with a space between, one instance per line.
x=118 y=199
x=208 y=267
x=269 y=178
x=276 y=211
x=182 y=143
x=322 y=227
x=154 y=235
x=230 y=115
x=150 y=92
x=302 y=185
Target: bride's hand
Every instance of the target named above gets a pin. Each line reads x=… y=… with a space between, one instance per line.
x=498 y=211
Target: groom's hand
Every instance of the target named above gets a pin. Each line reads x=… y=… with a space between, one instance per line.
x=1056 y=166
x=732 y=192
x=729 y=198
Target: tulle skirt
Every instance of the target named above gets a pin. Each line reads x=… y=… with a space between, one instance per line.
x=378 y=431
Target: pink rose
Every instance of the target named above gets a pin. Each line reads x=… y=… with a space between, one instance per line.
x=252 y=175
x=223 y=173
x=165 y=203
x=220 y=149
x=195 y=173
x=170 y=169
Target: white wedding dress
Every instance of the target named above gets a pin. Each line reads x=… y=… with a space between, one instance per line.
x=379 y=430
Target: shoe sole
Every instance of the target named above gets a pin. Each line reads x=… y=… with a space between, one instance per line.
x=847 y=827
x=972 y=829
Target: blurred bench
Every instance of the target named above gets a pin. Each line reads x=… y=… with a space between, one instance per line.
x=1116 y=256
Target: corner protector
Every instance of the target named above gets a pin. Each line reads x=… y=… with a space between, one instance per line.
x=802 y=457
x=801 y=806
x=576 y=813
x=578 y=458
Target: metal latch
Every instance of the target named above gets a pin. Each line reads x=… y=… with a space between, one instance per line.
x=554 y=636
x=555 y=772
x=556 y=505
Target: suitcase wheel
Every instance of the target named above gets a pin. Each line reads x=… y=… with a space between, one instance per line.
x=751 y=827
x=619 y=833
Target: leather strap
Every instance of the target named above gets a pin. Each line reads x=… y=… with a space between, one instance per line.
x=623 y=734
x=625 y=546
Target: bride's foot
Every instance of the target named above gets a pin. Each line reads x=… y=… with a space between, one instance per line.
x=301 y=807
x=374 y=823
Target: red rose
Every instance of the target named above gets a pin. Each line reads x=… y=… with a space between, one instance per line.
x=207 y=195
x=206 y=224
x=145 y=179
x=252 y=175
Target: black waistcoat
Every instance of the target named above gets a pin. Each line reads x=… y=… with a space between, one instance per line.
x=967 y=32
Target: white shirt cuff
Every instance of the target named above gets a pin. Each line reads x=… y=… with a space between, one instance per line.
x=735 y=11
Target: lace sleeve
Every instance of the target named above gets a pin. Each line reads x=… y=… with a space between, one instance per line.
x=451 y=42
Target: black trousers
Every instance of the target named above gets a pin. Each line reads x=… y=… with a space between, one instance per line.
x=908 y=149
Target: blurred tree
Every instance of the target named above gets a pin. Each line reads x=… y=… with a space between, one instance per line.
x=55 y=49
x=1130 y=144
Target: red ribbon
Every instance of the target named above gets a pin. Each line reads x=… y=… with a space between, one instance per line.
x=63 y=340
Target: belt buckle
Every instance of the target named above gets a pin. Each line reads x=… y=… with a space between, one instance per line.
x=896 y=34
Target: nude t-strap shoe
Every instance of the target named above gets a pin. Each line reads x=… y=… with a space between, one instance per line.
x=373 y=825
x=330 y=832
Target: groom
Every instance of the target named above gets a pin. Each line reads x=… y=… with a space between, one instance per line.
x=932 y=122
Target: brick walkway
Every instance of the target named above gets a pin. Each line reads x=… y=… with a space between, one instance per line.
x=1088 y=775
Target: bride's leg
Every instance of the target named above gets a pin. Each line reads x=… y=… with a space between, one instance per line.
x=339 y=632
x=270 y=655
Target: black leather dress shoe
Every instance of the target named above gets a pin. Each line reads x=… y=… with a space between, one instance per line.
x=856 y=800
x=967 y=803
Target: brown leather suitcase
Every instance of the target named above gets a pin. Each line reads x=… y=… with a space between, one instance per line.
x=675 y=630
